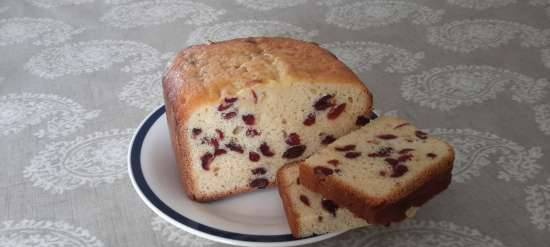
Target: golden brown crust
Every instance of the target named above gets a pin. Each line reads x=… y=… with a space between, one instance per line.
x=291 y=215
x=202 y=74
x=382 y=210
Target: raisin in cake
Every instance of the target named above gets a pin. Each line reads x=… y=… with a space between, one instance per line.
x=307 y=212
x=238 y=110
x=380 y=171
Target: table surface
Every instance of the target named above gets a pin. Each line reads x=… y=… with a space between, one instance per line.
x=78 y=76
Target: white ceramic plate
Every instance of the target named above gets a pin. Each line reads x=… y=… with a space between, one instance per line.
x=252 y=219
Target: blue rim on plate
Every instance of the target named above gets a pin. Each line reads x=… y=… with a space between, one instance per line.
x=141 y=182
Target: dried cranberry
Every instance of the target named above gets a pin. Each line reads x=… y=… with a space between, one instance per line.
x=219 y=152
x=387 y=136
x=255 y=96
x=431 y=155
x=304 y=200
x=330 y=206
x=230 y=100
x=333 y=162
x=382 y=152
x=310 y=119
x=398 y=171
x=320 y=218
x=336 y=111
x=392 y=161
x=345 y=148
x=235 y=147
x=328 y=140
x=265 y=150
x=298 y=181
x=206 y=159
x=404 y=157
x=321 y=170
x=405 y=150
x=252 y=132
x=382 y=173
x=213 y=142
x=294 y=152
x=259 y=170
x=253 y=156
x=220 y=134
x=352 y=155
x=324 y=102
x=362 y=121
x=249 y=119
x=401 y=125
x=229 y=115
x=420 y=134
x=293 y=139
x=259 y=183
x=196 y=132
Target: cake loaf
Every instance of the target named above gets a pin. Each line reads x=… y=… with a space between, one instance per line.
x=308 y=213
x=381 y=171
x=238 y=110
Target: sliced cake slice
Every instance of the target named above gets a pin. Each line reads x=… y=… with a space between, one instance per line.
x=307 y=212
x=382 y=171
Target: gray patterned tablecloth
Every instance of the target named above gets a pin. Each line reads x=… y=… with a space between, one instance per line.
x=77 y=77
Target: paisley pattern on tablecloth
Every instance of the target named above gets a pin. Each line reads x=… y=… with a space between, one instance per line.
x=43 y=233
x=40 y=31
x=538 y=204
x=91 y=56
x=59 y=116
x=474 y=150
x=173 y=234
x=417 y=233
x=230 y=30
x=143 y=91
x=449 y=87
x=361 y=56
x=147 y=13
x=481 y=4
x=377 y=13
x=474 y=34
x=78 y=76
x=92 y=160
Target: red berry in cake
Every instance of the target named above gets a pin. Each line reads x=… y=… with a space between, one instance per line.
x=420 y=134
x=333 y=162
x=259 y=171
x=401 y=125
x=328 y=140
x=259 y=183
x=196 y=132
x=362 y=120
x=293 y=139
x=206 y=159
x=252 y=132
x=304 y=200
x=230 y=100
x=329 y=206
x=266 y=150
x=352 y=155
x=229 y=115
x=336 y=111
x=220 y=134
x=405 y=150
x=234 y=147
x=345 y=148
x=219 y=152
x=322 y=171
x=294 y=152
x=382 y=152
x=387 y=136
x=249 y=119
x=253 y=156
x=398 y=171
x=324 y=102
x=310 y=119
x=431 y=155
x=405 y=157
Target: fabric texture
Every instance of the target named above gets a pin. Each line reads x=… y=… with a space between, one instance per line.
x=78 y=76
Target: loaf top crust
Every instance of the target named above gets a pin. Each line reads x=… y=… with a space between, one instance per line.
x=202 y=74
